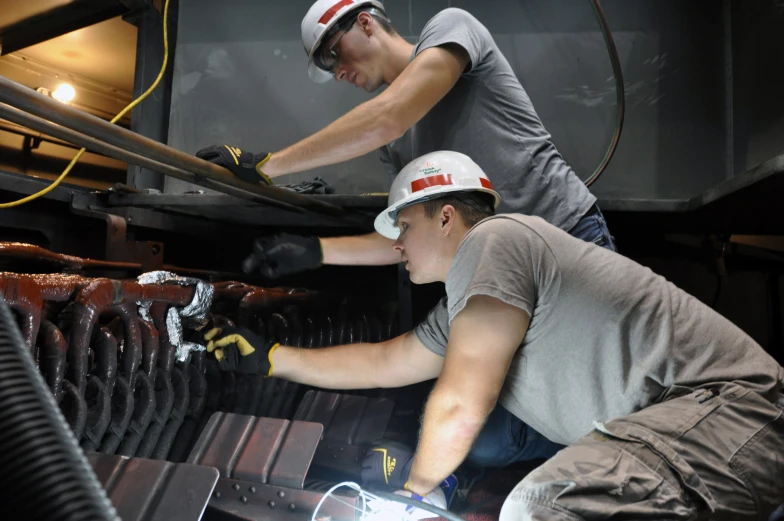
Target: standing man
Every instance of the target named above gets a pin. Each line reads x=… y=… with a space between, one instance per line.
x=669 y=410
x=453 y=90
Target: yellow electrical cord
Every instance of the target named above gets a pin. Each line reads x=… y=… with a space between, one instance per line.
x=114 y=120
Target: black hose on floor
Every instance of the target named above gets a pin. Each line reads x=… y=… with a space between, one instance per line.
x=44 y=474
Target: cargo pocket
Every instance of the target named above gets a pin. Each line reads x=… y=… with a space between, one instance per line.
x=759 y=463
x=661 y=452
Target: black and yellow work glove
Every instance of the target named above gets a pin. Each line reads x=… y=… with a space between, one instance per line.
x=245 y=165
x=387 y=464
x=240 y=349
x=283 y=254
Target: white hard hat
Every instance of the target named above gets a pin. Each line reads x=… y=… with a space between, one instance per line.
x=321 y=17
x=429 y=177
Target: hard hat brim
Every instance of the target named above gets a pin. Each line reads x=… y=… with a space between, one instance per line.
x=385 y=224
x=316 y=73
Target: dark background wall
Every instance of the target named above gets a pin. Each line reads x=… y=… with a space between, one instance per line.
x=240 y=77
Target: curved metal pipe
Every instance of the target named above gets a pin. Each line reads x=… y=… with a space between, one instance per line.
x=74 y=408
x=122 y=410
x=99 y=413
x=149 y=349
x=132 y=352
x=104 y=346
x=175 y=421
x=164 y=402
x=52 y=357
x=167 y=350
x=96 y=298
x=24 y=296
x=143 y=409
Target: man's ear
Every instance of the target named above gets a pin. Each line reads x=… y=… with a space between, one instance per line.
x=365 y=23
x=447 y=216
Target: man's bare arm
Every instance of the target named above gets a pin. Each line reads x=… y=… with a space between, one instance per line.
x=403 y=360
x=379 y=121
x=372 y=249
x=483 y=339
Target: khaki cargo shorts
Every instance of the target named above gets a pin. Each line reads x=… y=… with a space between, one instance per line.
x=714 y=453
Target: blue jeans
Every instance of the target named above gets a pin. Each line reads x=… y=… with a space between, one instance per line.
x=506 y=439
x=593 y=228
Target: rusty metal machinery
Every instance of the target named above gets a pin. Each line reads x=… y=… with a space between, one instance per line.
x=133 y=384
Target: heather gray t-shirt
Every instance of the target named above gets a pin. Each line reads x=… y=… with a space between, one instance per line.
x=607 y=336
x=489 y=117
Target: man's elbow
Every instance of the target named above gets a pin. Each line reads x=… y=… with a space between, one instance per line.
x=392 y=127
x=468 y=416
x=391 y=121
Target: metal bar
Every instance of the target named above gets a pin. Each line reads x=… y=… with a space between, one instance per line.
x=729 y=101
x=56 y=22
x=30 y=101
x=22 y=131
x=94 y=145
x=151 y=117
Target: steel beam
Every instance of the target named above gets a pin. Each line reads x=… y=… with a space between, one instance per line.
x=151 y=117
x=57 y=22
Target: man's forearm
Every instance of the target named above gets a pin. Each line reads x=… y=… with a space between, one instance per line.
x=364 y=129
x=449 y=429
x=351 y=366
x=372 y=249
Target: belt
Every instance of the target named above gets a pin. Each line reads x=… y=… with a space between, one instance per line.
x=593 y=210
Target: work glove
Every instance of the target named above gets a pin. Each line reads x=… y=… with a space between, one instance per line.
x=245 y=165
x=240 y=349
x=387 y=464
x=282 y=254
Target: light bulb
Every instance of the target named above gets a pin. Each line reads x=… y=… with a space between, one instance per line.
x=64 y=93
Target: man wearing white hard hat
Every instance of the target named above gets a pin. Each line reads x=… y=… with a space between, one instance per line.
x=669 y=411
x=452 y=90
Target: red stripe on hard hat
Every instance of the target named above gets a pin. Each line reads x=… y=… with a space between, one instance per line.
x=327 y=16
x=442 y=180
x=433 y=180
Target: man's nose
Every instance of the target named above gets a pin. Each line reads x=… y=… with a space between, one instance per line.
x=341 y=74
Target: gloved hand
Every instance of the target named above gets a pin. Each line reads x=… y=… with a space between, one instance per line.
x=388 y=463
x=282 y=254
x=240 y=349
x=245 y=165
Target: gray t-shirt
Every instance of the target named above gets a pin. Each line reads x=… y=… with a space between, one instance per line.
x=489 y=117
x=607 y=336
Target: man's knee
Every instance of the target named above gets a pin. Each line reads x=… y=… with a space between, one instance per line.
x=596 y=478
x=534 y=499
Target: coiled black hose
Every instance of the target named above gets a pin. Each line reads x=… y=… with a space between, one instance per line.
x=45 y=475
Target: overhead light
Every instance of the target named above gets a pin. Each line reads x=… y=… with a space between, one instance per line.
x=64 y=93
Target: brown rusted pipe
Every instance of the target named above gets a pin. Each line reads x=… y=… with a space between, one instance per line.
x=150 y=349
x=97 y=297
x=52 y=357
x=261 y=301
x=21 y=251
x=132 y=352
x=24 y=297
x=105 y=348
x=167 y=350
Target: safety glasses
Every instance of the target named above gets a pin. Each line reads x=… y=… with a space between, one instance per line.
x=327 y=58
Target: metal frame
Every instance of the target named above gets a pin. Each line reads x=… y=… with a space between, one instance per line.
x=151 y=117
x=61 y=20
x=199 y=171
